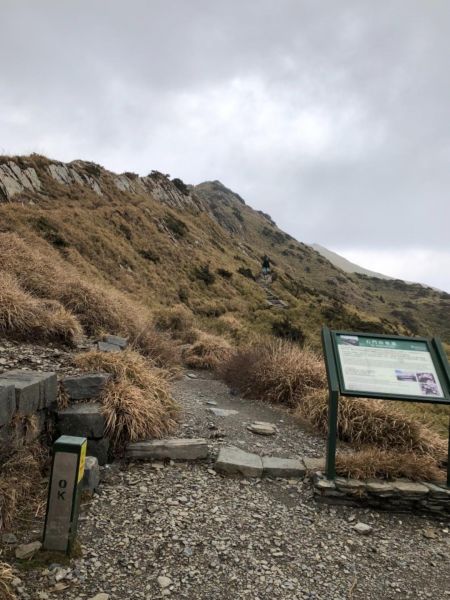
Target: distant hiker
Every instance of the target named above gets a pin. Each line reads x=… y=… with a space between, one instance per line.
x=265 y=265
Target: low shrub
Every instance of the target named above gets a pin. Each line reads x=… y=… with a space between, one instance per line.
x=175 y=319
x=208 y=352
x=204 y=274
x=137 y=403
x=287 y=330
x=224 y=273
x=246 y=272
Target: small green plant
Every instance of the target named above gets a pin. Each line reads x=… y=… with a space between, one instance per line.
x=246 y=272
x=224 y=273
x=286 y=330
x=176 y=226
x=204 y=274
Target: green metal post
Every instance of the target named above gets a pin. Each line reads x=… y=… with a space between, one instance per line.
x=333 y=407
x=333 y=402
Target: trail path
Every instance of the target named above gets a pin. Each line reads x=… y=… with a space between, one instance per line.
x=182 y=531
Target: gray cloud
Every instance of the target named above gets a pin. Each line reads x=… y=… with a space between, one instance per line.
x=332 y=116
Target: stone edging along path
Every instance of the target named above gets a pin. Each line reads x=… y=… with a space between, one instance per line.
x=400 y=495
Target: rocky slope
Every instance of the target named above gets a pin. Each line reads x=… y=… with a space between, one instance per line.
x=164 y=242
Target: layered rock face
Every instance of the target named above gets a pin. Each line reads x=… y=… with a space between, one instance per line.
x=26 y=179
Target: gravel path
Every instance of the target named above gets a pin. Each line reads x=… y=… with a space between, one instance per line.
x=182 y=531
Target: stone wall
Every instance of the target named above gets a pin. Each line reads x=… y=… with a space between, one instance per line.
x=400 y=495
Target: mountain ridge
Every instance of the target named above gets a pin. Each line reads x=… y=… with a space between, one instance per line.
x=165 y=242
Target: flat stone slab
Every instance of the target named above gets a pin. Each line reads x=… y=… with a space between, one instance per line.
x=34 y=390
x=410 y=488
x=116 y=340
x=7 y=403
x=222 y=412
x=83 y=387
x=234 y=461
x=314 y=464
x=262 y=428
x=85 y=420
x=282 y=467
x=379 y=487
x=173 y=448
x=105 y=347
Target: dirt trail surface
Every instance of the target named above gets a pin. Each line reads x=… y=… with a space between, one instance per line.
x=181 y=531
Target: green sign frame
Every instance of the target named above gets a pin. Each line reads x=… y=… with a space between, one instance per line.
x=337 y=387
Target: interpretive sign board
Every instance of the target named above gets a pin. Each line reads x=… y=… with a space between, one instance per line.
x=64 y=493
x=384 y=367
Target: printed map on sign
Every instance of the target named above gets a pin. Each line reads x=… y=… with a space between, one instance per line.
x=388 y=366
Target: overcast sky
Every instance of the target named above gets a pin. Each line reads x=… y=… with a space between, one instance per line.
x=332 y=116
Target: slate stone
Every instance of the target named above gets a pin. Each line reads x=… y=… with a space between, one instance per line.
x=116 y=341
x=7 y=403
x=82 y=387
x=314 y=464
x=222 y=412
x=85 y=420
x=362 y=528
x=262 y=428
x=33 y=390
x=282 y=467
x=234 y=461
x=99 y=449
x=175 y=449
x=410 y=488
x=380 y=487
x=26 y=551
x=91 y=478
x=105 y=347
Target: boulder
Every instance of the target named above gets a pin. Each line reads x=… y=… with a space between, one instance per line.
x=116 y=341
x=7 y=403
x=82 y=387
x=33 y=390
x=84 y=420
x=175 y=449
x=234 y=461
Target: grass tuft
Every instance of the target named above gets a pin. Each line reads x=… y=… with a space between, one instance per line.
x=137 y=403
x=6 y=578
x=208 y=352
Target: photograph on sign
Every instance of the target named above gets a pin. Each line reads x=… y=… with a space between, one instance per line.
x=388 y=366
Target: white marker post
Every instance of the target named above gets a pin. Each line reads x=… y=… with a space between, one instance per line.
x=61 y=520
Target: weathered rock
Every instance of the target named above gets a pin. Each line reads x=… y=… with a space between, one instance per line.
x=362 y=528
x=85 y=420
x=9 y=538
x=7 y=403
x=99 y=449
x=379 y=487
x=116 y=340
x=25 y=551
x=282 y=467
x=100 y=596
x=105 y=347
x=262 y=428
x=164 y=582
x=234 y=461
x=91 y=479
x=175 y=449
x=222 y=412
x=191 y=376
x=82 y=387
x=33 y=390
x=314 y=464
x=410 y=488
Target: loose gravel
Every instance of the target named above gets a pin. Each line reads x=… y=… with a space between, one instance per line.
x=179 y=530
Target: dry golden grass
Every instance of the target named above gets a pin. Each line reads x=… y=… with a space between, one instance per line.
x=371 y=463
x=21 y=475
x=280 y=372
x=274 y=370
x=363 y=422
x=24 y=317
x=137 y=403
x=6 y=577
x=208 y=352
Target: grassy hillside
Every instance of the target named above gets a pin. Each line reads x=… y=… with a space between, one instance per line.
x=162 y=243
